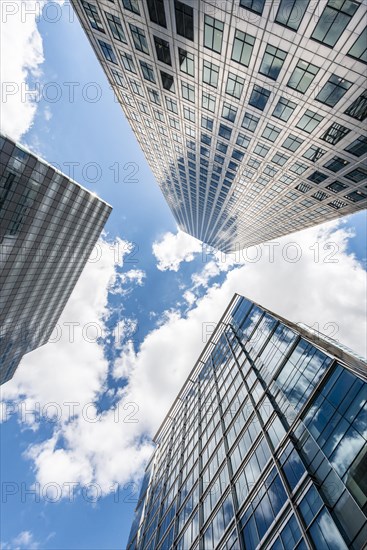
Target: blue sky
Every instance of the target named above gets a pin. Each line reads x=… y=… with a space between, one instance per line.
x=160 y=294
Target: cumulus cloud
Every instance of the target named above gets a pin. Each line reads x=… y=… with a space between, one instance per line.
x=24 y=541
x=173 y=249
x=21 y=60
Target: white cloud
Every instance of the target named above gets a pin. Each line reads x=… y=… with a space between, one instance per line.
x=21 y=58
x=172 y=250
x=23 y=541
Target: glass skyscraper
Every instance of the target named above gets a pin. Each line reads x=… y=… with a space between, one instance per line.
x=264 y=447
x=49 y=225
x=250 y=113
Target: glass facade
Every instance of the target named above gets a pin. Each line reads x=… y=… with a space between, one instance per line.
x=48 y=227
x=210 y=53
x=264 y=448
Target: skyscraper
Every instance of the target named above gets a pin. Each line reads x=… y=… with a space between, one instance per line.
x=264 y=447
x=49 y=225
x=250 y=113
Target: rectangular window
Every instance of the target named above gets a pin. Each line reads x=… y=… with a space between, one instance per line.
x=207 y=123
x=279 y=159
x=210 y=73
x=317 y=177
x=358 y=147
x=188 y=92
x=154 y=96
x=213 y=34
x=335 y=133
x=292 y=143
x=359 y=48
x=131 y=5
x=128 y=62
x=156 y=12
x=357 y=175
x=108 y=51
x=118 y=78
x=335 y=164
x=147 y=71
x=291 y=12
x=356 y=196
x=167 y=81
x=229 y=112
x=333 y=90
x=189 y=114
x=171 y=105
x=139 y=39
x=186 y=61
x=259 y=97
x=136 y=88
x=333 y=21
x=358 y=109
x=250 y=122
x=271 y=132
x=302 y=76
x=314 y=153
x=243 y=140
x=272 y=62
x=116 y=27
x=336 y=186
x=284 y=109
x=208 y=102
x=256 y=6
x=261 y=150
x=309 y=121
x=234 y=85
x=162 y=50
x=93 y=16
x=298 y=168
x=184 y=20
x=243 y=45
x=224 y=131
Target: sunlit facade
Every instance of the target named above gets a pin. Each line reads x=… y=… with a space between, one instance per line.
x=250 y=113
x=265 y=446
x=48 y=227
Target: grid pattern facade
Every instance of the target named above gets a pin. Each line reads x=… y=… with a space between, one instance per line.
x=48 y=227
x=265 y=446
x=250 y=113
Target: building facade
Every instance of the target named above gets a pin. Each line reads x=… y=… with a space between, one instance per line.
x=250 y=113
x=49 y=225
x=265 y=446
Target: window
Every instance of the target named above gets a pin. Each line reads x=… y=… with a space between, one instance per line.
x=356 y=196
x=229 y=112
x=184 y=20
x=250 y=122
x=314 y=153
x=118 y=78
x=156 y=12
x=210 y=73
x=256 y=6
x=335 y=164
x=162 y=50
x=131 y=5
x=139 y=39
x=336 y=186
x=207 y=123
x=243 y=45
x=128 y=62
x=284 y=109
x=208 y=102
x=333 y=90
x=358 y=109
x=222 y=147
x=186 y=61
x=333 y=21
x=213 y=34
x=261 y=150
x=357 y=175
x=238 y=155
x=188 y=92
x=358 y=147
x=309 y=121
x=243 y=140
x=147 y=71
x=271 y=132
x=108 y=52
x=154 y=96
x=298 y=168
x=234 y=85
x=302 y=76
x=279 y=159
x=225 y=131
x=189 y=114
x=272 y=62
x=222 y=518
x=93 y=16
x=292 y=143
x=291 y=12
x=335 y=133
x=359 y=48
x=317 y=177
x=136 y=88
x=259 y=97
x=167 y=82
x=171 y=105
x=116 y=27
